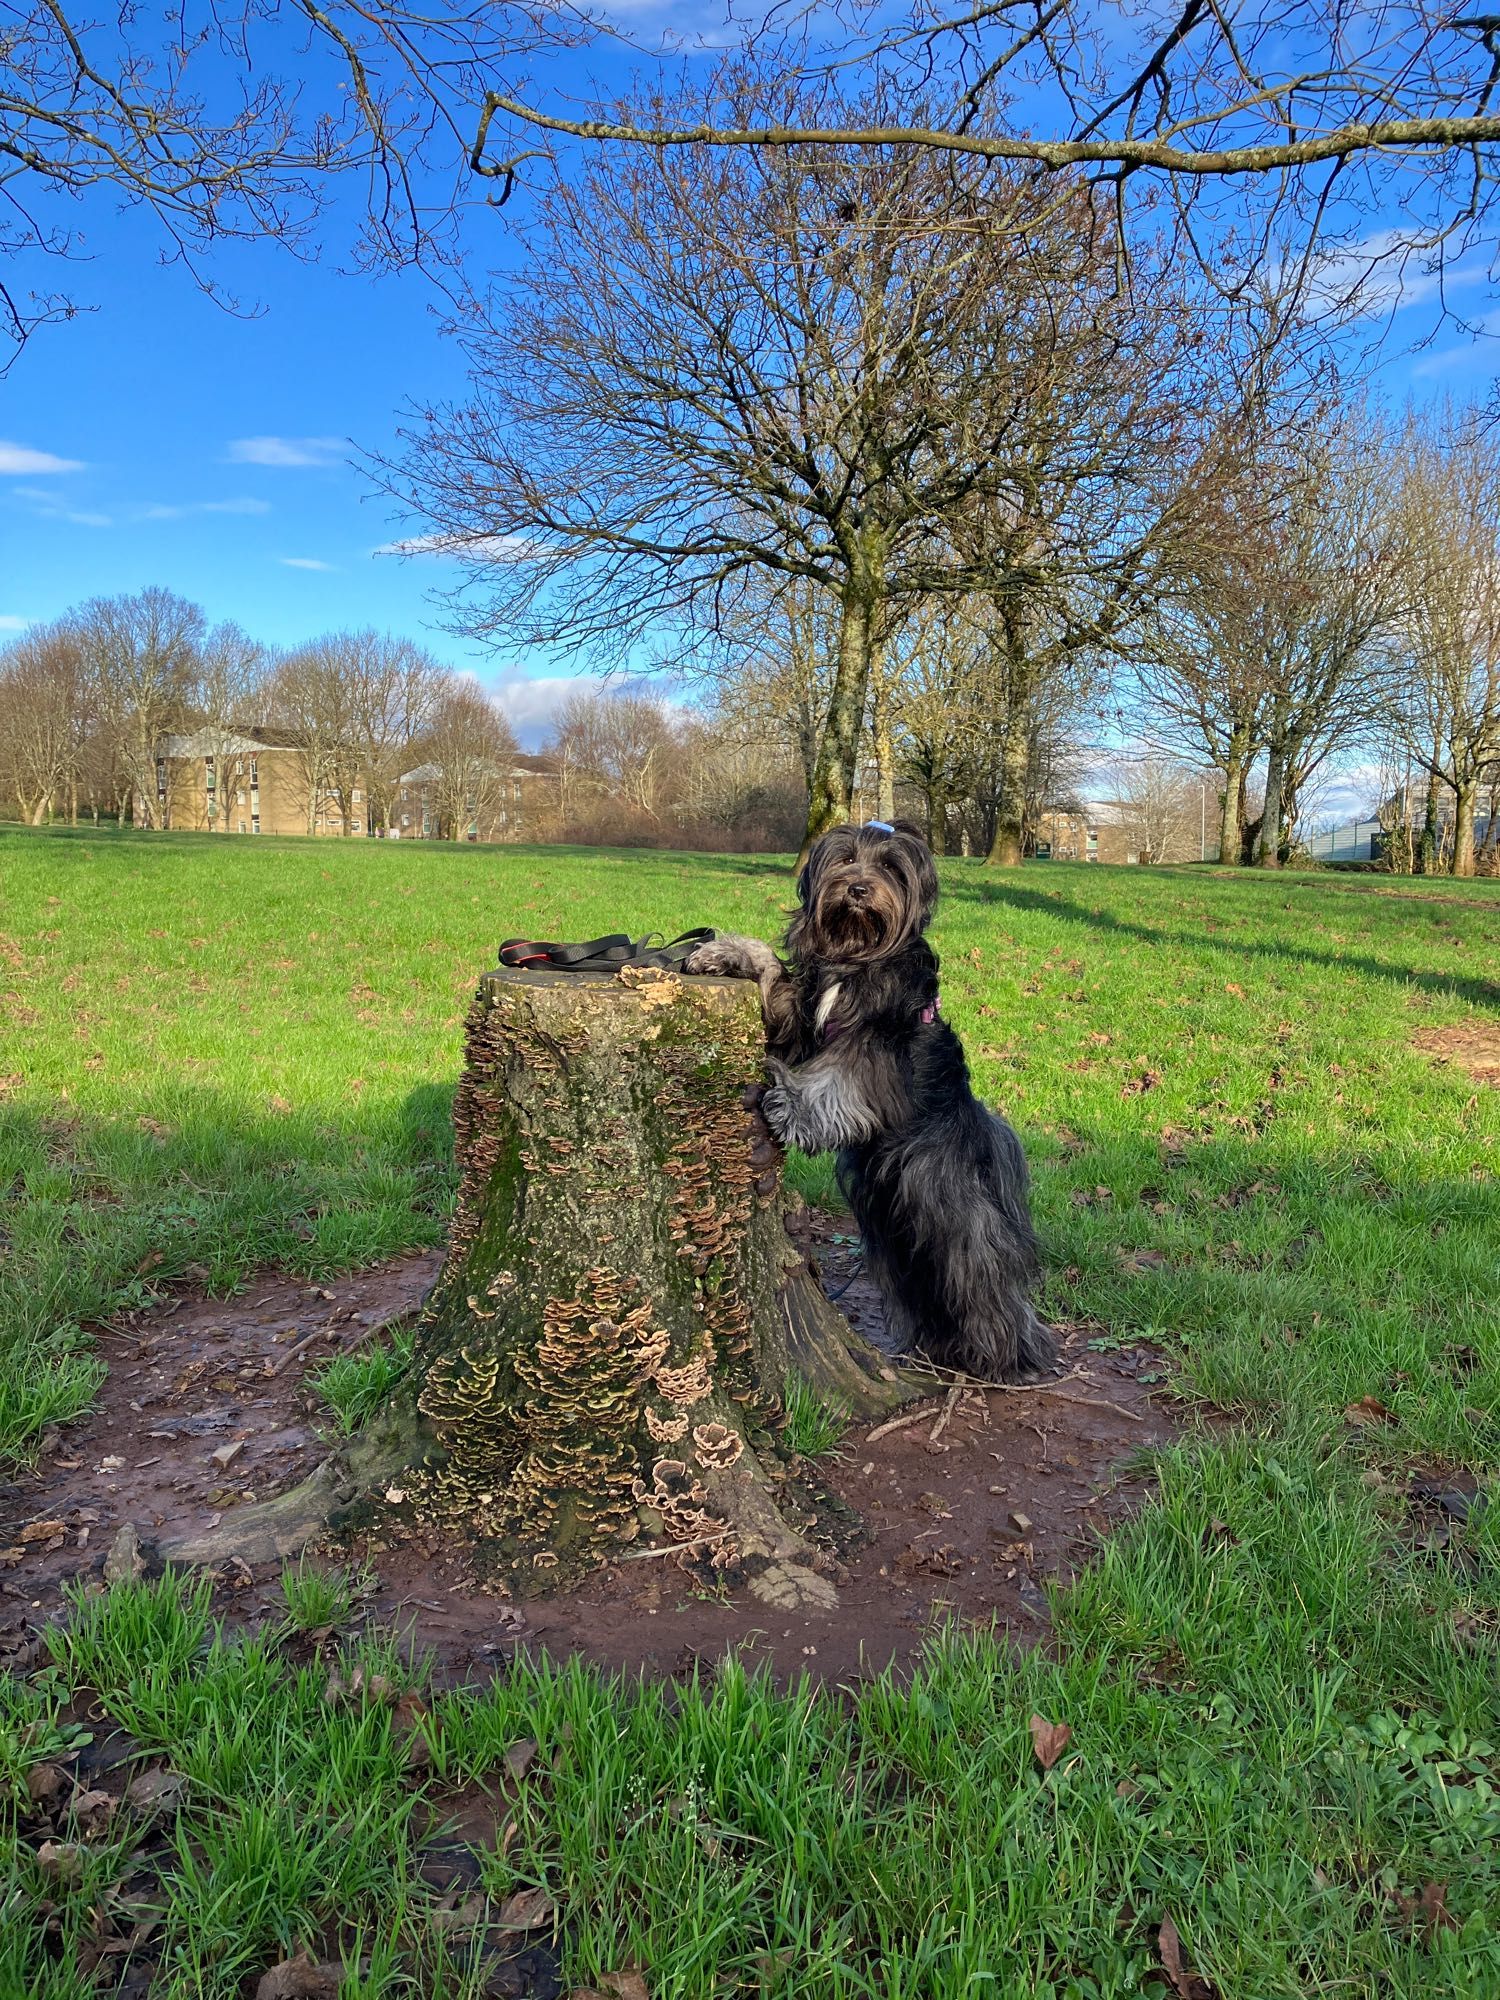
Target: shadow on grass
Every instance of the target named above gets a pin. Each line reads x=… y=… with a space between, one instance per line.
x=1007 y=895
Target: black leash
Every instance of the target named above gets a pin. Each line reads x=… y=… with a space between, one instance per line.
x=604 y=954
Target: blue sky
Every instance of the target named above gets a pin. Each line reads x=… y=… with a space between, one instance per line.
x=161 y=440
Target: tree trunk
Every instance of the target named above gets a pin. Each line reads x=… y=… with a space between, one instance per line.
x=1427 y=853
x=1010 y=814
x=831 y=799
x=937 y=820
x=602 y=1361
x=1463 y=827
x=1268 y=840
x=1232 y=817
x=885 y=749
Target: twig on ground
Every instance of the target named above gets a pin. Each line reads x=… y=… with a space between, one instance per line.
x=672 y=1548
x=897 y=1424
x=947 y=1411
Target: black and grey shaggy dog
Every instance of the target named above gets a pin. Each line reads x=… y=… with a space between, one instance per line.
x=863 y=1064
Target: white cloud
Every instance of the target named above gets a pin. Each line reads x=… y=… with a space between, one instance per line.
x=21 y=458
x=492 y=548
x=303 y=562
x=281 y=451
x=1383 y=274
x=10 y=623
x=162 y=511
x=80 y=520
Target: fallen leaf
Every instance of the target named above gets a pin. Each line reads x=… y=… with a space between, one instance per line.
x=1428 y=1910
x=51 y=1532
x=98 y=1808
x=624 y=1986
x=1185 y=1983
x=156 y=1790
x=519 y=1758
x=63 y=1858
x=43 y=1782
x=149 y=1262
x=1049 y=1740
x=1368 y=1410
x=300 y=1978
x=527 y=1910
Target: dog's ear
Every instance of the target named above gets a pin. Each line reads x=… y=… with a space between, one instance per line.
x=911 y=830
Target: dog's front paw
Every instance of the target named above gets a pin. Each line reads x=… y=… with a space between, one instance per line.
x=725 y=956
x=777 y=1109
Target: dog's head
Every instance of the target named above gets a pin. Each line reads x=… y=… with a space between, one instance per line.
x=865 y=891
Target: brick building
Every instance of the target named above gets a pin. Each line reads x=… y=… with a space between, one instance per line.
x=252 y=781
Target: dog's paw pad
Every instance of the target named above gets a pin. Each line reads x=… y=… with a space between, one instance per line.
x=789 y=1587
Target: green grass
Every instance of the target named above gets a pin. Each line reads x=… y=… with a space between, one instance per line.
x=1284 y=1708
x=813 y=1427
x=355 y=1385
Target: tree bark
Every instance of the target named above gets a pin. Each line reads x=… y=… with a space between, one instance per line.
x=1232 y=817
x=1268 y=840
x=832 y=792
x=884 y=746
x=1463 y=827
x=1010 y=815
x=603 y=1358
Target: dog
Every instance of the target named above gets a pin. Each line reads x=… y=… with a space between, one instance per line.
x=863 y=1064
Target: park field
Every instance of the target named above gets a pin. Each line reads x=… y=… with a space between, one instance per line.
x=1257 y=1145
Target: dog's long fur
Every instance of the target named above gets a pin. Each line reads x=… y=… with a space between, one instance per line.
x=862 y=1064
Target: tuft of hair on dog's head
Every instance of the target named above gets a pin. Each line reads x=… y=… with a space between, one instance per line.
x=865 y=891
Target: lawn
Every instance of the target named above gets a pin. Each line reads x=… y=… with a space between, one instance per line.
x=1282 y=1687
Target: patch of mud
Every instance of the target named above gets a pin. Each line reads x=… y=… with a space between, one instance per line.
x=973 y=1501
x=1469 y=1045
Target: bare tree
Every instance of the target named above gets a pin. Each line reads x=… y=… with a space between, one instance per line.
x=394 y=692
x=1161 y=804
x=226 y=121
x=830 y=367
x=468 y=747
x=228 y=695
x=142 y=654
x=43 y=709
x=622 y=748
x=1445 y=680
x=313 y=697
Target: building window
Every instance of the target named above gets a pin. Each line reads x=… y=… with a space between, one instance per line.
x=355 y=796
x=242 y=826
x=515 y=791
x=254 y=772
x=255 y=822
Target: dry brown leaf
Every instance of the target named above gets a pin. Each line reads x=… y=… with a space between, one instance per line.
x=300 y=1978
x=1368 y=1410
x=43 y=1782
x=63 y=1858
x=520 y=1757
x=1049 y=1740
x=1185 y=1983
x=624 y=1986
x=157 y=1790
x=526 y=1910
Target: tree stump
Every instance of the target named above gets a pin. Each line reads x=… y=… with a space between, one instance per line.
x=600 y=1367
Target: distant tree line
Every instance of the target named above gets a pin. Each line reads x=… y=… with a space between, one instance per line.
x=89 y=701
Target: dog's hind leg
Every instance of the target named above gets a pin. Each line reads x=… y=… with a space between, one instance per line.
x=981 y=1261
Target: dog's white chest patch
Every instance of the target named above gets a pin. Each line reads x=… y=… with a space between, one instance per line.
x=826 y=1006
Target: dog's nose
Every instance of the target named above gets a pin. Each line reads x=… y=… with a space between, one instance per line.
x=859 y=892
